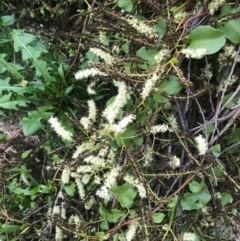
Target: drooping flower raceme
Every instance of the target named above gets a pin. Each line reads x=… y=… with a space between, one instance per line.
x=66 y=175
x=59 y=129
x=149 y=85
x=189 y=237
x=121 y=126
x=108 y=59
x=90 y=89
x=194 y=53
x=159 y=128
x=215 y=5
x=110 y=179
x=202 y=145
x=58 y=234
x=131 y=232
x=111 y=112
x=87 y=121
x=85 y=146
x=143 y=28
x=83 y=74
x=161 y=55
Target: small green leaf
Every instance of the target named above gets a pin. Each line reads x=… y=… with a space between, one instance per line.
x=127 y=136
x=161 y=26
x=30 y=126
x=32 y=123
x=158 y=217
x=26 y=154
x=170 y=86
x=208 y=38
x=227 y=9
x=107 y=216
x=126 y=5
x=216 y=150
x=141 y=116
x=146 y=54
x=7 y=228
x=6 y=102
x=100 y=235
x=10 y=67
x=232 y=103
x=56 y=158
x=231 y=30
x=192 y=201
x=235 y=136
x=195 y=186
x=116 y=214
x=226 y=198
x=44 y=189
x=126 y=194
x=70 y=189
x=7 y=20
x=125 y=48
x=173 y=202
x=209 y=128
x=138 y=141
x=3 y=137
x=159 y=98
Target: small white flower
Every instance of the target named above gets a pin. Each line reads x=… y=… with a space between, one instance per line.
x=77 y=221
x=65 y=175
x=86 y=178
x=85 y=169
x=104 y=193
x=56 y=210
x=189 y=237
x=58 y=234
x=85 y=122
x=103 y=152
x=88 y=204
x=92 y=110
x=202 y=145
x=80 y=187
x=95 y=161
x=175 y=162
x=102 y=37
x=63 y=211
x=111 y=177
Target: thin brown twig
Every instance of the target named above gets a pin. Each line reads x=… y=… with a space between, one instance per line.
x=230 y=122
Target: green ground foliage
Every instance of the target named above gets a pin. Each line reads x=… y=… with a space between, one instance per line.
x=119 y=120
